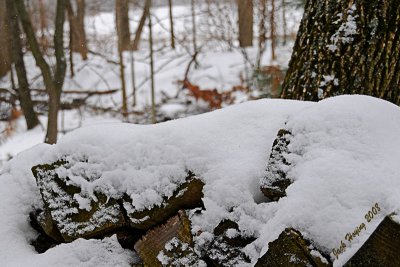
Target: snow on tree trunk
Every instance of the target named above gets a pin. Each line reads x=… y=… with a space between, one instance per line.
x=346 y=47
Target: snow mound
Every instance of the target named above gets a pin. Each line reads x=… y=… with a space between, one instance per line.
x=227 y=148
x=343 y=154
x=344 y=160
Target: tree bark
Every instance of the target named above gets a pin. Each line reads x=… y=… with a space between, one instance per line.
x=122 y=24
x=5 y=55
x=171 y=25
x=52 y=82
x=123 y=83
x=77 y=27
x=346 y=47
x=139 y=30
x=153 y=102
x=44 y=42
x=18 y=58
x=262 y=31
x=193 y=26
x=272 y=30
x=245 y=12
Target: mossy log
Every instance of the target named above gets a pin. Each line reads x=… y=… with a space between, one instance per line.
x=291 y=249
x=187 y=196
x=63 y=207
x=382 y=247
x=226 y=247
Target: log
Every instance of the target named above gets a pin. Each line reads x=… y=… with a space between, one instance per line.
x=291 y=249
x=275 y=182
x=169 y=243
x=382 y=247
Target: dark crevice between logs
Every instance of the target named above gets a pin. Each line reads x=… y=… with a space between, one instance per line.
x=42 y=242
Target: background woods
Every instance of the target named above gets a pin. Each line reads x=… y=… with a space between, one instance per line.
x=64 y=62
x=96 y=58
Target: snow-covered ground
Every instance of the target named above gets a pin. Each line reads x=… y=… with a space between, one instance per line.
x=221 y=66
x=344 y=162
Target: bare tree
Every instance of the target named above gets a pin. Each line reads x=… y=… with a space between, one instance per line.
x=77 y=27
x=284 y=23
x=272 y=30
x=44 y=42
x=139 y=30
x=123 y=82
x=153 y=104
x=262 y=31
x=18 y=58
x=193 y=26
x=245 y=12
x=53 y=81
x=171 y=24
x=5 y=56
x=122 y=24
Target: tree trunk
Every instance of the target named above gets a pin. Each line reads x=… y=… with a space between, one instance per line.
x=171 y=24
x=77 y=28
x=245 y=11
x=346 y=47
x=18 y=58
x=53 y=84
x=5 y=55
x=284 y=24
x=139 y=30
x=153 y=102
x=123 y=83
x=44 y=42
x=262 y=31
x=272 y=30
x=193 y=26
x=122 y=24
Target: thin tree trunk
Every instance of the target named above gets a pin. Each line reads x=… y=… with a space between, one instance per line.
x=44 y=42
x=122 y=24
x=123 y=83
x=284 y=24
x=23 y=87
x=153 y=104
x=5 y=55
x=133 y=80
x=272 y=26
x=171 y=24
x=262 y=32
x=139 y=30
x=346 y=47
x=245 y=12
x=71 y=51
x=77 y=28
x=59 y=76
x=80 y=16
x=194 y=26
x=53 y=84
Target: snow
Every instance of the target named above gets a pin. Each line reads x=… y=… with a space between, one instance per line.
x=346 y=30
x=344 y=160
x=147 y=161
x=343 y=155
